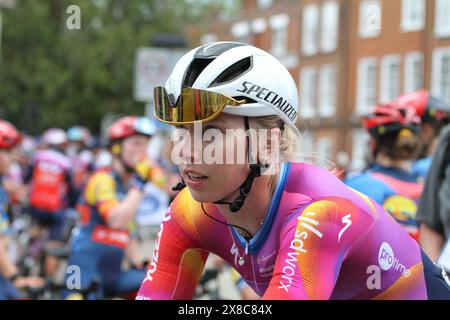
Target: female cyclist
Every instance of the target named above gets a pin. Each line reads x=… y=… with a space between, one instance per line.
x=108 y=206
x=389 y=179
x=293 y=233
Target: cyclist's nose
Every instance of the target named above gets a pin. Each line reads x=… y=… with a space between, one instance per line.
x=188 y=148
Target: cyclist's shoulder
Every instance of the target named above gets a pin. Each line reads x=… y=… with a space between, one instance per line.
x=310 y=179
x=102 y=177
x=362 y=177
x=53 y=156
x=332 y=207
x=184 y=203
x=421 y=167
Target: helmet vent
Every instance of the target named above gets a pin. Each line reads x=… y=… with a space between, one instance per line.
x=193 y=71
x=233 y=72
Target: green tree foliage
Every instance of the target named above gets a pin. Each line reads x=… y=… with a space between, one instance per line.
x=53 y=76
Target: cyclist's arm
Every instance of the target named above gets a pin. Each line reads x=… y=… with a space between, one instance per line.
x=176 y=266
x=7 y=268
x=121 y=215
x=431 y=241
x=101 y=192
x=313 y=245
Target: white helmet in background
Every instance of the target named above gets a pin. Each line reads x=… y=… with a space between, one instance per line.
x=54 y=136
x=240 y=71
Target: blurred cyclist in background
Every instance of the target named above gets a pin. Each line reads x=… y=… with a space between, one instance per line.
x=389 y=179
x=435 y=114
x=108 y=206
x=51 y=192
x=78 y=151
x=10 y=279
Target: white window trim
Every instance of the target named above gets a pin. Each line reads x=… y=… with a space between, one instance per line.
x=281 y=50
x=327 y=46
x=307 y=111
x=279 y=21
x=264 y=5
x=325 y=147
x=360 y=143
x=410 y=58
x=370 y=21
x=310 y=48
x=436 y=70
x=384 y=80
x=326 y=109
x=361 y=107
x=440 y=31
x=240 y=29
x=306 y=143
x=258 y=25
x=406 y=25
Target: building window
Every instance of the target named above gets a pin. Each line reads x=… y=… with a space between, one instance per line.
x=441 y=73
x=327 y=89
x=306 y=143
x=279 y=25
x=310 y=29
x=413 y=72
x=390 y=78
x=367 y=85
x=308 y=92
x=324 y=150
x=413 y=15
x=360 y=149
x=264 y=4
x=369 y=18
x=241 y=32
x=442 y=20
x=329 y=26
x=279 y=37
x=258 y=25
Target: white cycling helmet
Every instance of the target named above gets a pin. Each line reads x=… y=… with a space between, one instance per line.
x=54 y=136
x=240 y=71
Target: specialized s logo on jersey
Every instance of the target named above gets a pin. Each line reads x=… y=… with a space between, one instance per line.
x=346 y=220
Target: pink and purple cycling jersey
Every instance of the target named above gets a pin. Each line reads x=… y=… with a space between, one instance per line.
x=320 y=240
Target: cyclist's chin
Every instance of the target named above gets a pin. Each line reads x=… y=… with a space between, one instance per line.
x=206 y=195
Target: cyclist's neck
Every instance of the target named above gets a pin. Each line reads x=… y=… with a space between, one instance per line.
x=384 y=161
x=123 y=174
x=251 y=216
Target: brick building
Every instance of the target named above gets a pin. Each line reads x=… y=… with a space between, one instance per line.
x=346 y=56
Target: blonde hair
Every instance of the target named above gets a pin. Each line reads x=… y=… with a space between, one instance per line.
x=289 y=138
x=289 y=141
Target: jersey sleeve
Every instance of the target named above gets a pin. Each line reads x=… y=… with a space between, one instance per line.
x=101 y=193
x=313 y=245
x=177 y=263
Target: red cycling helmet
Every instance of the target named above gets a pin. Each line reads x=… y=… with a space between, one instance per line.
x=9 y=135
x=130 y=125
x=427 y=106
x=391 y=117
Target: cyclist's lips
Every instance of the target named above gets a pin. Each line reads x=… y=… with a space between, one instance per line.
x=194 y=179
